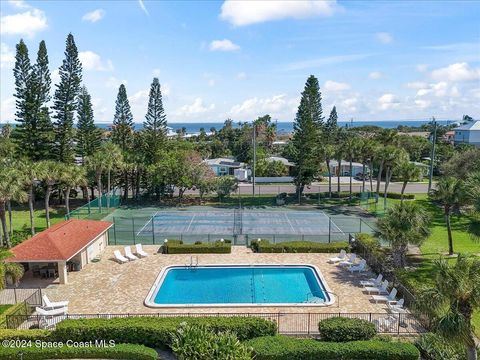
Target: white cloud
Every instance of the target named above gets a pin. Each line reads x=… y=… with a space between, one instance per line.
x=439 y=89
x=241 y=13
x=388 y=101
x=27 y=23
x=192 y=110
x=327 y=60
x=456 y=72
x=279 y=106
x=143 y=7
x=384 y=37
x=416 y=85
x=349 y=105
x=211 y=82
x=223 y=45
x=422 y=104
x=156 y=72
x=7 y=56
x=113 y=83
x=241 y=75
x=421 y=67
x=21 y=4
x=93 y=61
x=94 y=16
x=7 y=109
x=335 y=86
x=375 y=75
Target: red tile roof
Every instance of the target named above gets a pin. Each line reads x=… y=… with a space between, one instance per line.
x=60 y=242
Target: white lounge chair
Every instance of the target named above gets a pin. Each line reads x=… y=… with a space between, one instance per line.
x=139 y=251
x=372 y=281
x=53 y=312
x=386 y=324
x=396 y=307
x=382 y=289
x=53 y=304
x=385 y=298
x=362 y=266
x=128 y=253
x=342 y=256
x=119 y=257
x=350 y=261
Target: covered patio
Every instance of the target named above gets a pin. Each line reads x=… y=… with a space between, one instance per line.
x=65 y=247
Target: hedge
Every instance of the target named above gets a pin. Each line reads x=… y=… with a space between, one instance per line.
x=156 y=332
x=18 y=309
x=178 y=247
x=264 y=246
x=33 y=334
x=119 y=351
x=342 y=329
x=287 y=348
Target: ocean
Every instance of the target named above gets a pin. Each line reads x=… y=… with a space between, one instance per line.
x=284 y=127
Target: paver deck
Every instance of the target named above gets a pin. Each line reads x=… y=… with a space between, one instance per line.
x=110 y=287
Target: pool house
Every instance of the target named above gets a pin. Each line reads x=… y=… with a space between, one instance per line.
x=65 y=247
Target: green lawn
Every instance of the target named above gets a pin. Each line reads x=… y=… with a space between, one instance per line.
x=4 y=308
x=437 y=244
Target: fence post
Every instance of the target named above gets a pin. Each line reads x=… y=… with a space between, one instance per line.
x=360 y=225
x=133 y=230
x=153 y=230
x=114 y=232
x=15 y=294
x=329 y=229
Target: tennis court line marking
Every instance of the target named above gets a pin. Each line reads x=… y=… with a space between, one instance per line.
x=289 y=222
x=333 y=222
x=190 y=224
x=144 y=226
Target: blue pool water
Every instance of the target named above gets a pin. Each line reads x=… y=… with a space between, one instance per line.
x=238 y=285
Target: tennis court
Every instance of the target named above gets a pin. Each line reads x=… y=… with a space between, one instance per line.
x=236 y=221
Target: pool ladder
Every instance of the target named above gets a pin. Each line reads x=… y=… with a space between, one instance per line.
x=193 y=263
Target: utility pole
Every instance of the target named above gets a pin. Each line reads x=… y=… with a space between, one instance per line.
x=254 y=156
x=432 y=155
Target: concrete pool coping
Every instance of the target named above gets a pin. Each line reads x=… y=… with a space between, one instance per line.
x=155 y=288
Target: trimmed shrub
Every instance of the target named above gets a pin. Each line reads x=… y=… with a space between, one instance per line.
x=264 y=246
x=178 y=247
x=434 y=347
x=197 y=342
x=287 y=348
x=18 y=309
x=119 y=351
x=395 y=195
x=157 y=332
x=33 y=334
x=342 y=329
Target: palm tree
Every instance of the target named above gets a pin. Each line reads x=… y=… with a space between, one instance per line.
x=328 y=152
x=366 y=152
x=451 y=194
x=113 y=161
x=452 y=300
x=351 y=147
x=31 y=172
x=339 y=154
x=98 y=163
x=472 y=187
x=50 y=174
x=10 y=270
x=71 y=177
x=404 y=223
x=407 y=171
x=394 y=157
x=10 y=189
x=380 y=157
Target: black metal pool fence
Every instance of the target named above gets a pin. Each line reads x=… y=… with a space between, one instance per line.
x=144 y=230
x=295 y=324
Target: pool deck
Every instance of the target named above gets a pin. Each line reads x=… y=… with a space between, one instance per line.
x=107 y=287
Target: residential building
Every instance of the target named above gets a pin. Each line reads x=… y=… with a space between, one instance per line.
x=224 y=166
x=468 y=133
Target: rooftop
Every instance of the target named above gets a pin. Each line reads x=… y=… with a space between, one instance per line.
x=60 y=242
x=474 y=125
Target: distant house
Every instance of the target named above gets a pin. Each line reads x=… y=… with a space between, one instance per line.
x=344 y=170
x=449 y=137
x=468 y=134
x=284 y=161
x=224 y=166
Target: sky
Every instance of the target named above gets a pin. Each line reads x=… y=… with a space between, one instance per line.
x=375 y=60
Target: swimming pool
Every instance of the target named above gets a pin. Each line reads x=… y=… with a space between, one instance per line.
x=239 y=285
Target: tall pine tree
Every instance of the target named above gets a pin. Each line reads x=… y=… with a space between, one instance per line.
x=307 y=127
x=23 y=134
x=122 y=133
x=88 y=135
x=331 y=124
x=65 y=102
x=40 y=86
x=156 y=121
